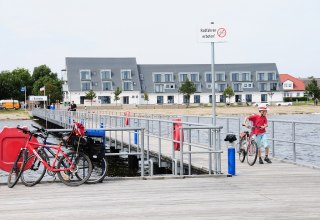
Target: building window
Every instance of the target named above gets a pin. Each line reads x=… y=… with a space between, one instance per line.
x=273 y=86
x=183 y=77
x=298 y=94
x=222 y=99
x=198 y=87
x=246 y=77
x=170 y=86
x=107 y=86
x=194 y=77
x=196 y=98
x=170 y=99
x=220 y=77
x=127 y=86
x=271 y=76
x=264 y=97
x=159 y=99
x=105 y=99
x=159 y=88
x=237 y=87
x=221 y=87
x=85 y=86
x=105 y=74
x=262 y=86
x=248 y=98
x=235 y=76
x=208 y=77
x=85 y=74
x=168 y=77
x=260 y=76
x=125 y=74
x=156 y=77
x=247 y=85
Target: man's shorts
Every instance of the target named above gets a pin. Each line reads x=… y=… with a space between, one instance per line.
x=262 y=141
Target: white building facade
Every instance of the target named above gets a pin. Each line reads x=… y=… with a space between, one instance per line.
x=250 y=82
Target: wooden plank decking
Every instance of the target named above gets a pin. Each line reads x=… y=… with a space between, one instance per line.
x=269 y=191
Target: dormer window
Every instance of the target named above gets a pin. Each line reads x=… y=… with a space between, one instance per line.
x=85 y=74
x=125 y=74
x=105 y=74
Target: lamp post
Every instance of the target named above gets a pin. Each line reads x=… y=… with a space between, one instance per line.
x=271 y=94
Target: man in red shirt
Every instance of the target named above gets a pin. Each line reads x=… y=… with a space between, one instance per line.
x=260 y=122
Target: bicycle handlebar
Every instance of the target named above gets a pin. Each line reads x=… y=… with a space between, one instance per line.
x=250 y=126
x=31 y=133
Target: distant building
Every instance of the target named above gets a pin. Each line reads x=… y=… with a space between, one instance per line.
x=292 y=87
x=250 y=82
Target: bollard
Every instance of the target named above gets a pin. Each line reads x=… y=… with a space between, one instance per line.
x=232 y=160
x=176 y=133
x=135 y=136
x=231 y=154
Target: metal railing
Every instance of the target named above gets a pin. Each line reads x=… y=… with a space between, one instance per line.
x=297 y=137
x=158 y=136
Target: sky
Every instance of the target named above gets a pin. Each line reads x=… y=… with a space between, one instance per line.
x=37 y=32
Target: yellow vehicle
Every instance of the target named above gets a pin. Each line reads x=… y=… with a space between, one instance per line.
x=9 y=104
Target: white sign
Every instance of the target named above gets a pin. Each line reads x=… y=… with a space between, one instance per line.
x=213 y=33
x=94 y=102
x=37 y=98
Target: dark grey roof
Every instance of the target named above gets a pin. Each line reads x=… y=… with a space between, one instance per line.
x=142 y=75
x=147 y=70
x=74 y=64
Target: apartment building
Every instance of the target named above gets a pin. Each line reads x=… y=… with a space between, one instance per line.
x=256 y=82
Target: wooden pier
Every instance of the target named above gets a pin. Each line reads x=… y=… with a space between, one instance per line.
x=269 y=191
x=280 y=190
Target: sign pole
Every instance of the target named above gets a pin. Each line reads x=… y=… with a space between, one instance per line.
x=25 y=98
x=213 y=99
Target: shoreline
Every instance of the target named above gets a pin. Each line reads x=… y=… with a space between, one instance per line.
x=201 y=111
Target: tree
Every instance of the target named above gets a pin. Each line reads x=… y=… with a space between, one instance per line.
x=146 y=96
x=11 y=83
x=312 y=89
x=228 y=93
x=187 y=88
x=117 y=95
x=40 y=71
x=90 y=95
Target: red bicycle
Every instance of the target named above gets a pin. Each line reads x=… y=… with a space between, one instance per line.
x=73 y=168
x=248 y=146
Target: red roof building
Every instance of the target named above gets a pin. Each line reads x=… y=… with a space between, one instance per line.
x=292 y=87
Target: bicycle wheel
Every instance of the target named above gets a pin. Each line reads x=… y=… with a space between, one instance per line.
x=252 y=153
x=17 y=169
x=35 y=173
x=242 y=150
x=78 y=174
x=99 y=170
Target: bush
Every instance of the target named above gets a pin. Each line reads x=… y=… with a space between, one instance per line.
x=295 y=99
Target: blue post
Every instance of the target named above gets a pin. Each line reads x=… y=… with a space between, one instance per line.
x=69 y=120
x=232 y=160
x=135 y=136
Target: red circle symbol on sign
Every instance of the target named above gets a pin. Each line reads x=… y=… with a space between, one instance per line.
x=221 y=32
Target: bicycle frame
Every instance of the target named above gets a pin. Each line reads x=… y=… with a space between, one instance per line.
x=33 y=146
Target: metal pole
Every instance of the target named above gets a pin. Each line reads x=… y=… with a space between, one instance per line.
x=213 y=99
x=25 y=98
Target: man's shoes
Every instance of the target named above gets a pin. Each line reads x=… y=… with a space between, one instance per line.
x=260 y=160
x=267 y=160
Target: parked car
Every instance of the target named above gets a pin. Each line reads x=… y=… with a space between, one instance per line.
x=256 y=104
x=284 y=103
x=10 y=104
